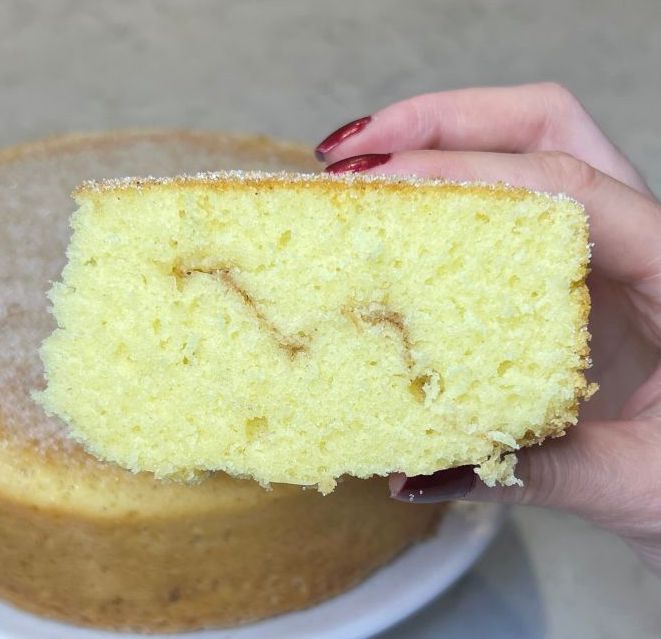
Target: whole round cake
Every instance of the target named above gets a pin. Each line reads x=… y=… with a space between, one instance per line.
x=87 y=542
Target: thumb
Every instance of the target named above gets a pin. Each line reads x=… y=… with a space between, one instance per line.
x=607 y=472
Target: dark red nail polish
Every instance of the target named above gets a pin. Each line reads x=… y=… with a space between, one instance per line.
x=358 y=163
x=337 y=137
x=443 y=485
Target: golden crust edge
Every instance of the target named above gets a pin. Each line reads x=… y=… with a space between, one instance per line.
x=269 y=180
x=75 y=142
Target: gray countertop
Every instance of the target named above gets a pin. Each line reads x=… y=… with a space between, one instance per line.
x=297 y=69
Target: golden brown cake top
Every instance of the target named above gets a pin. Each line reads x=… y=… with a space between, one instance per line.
x=265 y=179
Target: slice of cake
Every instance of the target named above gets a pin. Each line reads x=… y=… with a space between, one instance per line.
x=295 y=328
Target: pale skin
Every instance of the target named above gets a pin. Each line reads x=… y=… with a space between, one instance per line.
x=607 y=469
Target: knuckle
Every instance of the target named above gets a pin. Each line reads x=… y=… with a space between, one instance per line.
x=554 y=110
x=566 y=172
x=561 y=109
x=559 y=95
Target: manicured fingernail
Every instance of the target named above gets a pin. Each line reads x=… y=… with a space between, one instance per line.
x=337 y=137
x=358 y=163
x=443 y=485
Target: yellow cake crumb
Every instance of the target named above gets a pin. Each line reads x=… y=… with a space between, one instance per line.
x=296 y=328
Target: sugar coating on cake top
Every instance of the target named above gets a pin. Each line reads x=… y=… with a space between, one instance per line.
x=295 y=328
x=218 y=178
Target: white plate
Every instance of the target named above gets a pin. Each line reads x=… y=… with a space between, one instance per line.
x=388 y=596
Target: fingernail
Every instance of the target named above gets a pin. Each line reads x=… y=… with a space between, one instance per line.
x=337 y=137
x=443 y=485
x=358 y=163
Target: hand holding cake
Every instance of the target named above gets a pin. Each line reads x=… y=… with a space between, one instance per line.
x=606 y=469
x=297 y=328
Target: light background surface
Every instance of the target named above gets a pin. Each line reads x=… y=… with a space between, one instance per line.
x=299 y=68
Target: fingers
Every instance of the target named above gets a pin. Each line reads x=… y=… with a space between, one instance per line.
x=608 y=472
x=534 y=117
x=625 y=225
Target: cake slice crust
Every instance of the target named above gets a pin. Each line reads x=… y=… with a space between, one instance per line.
x=295 y=328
